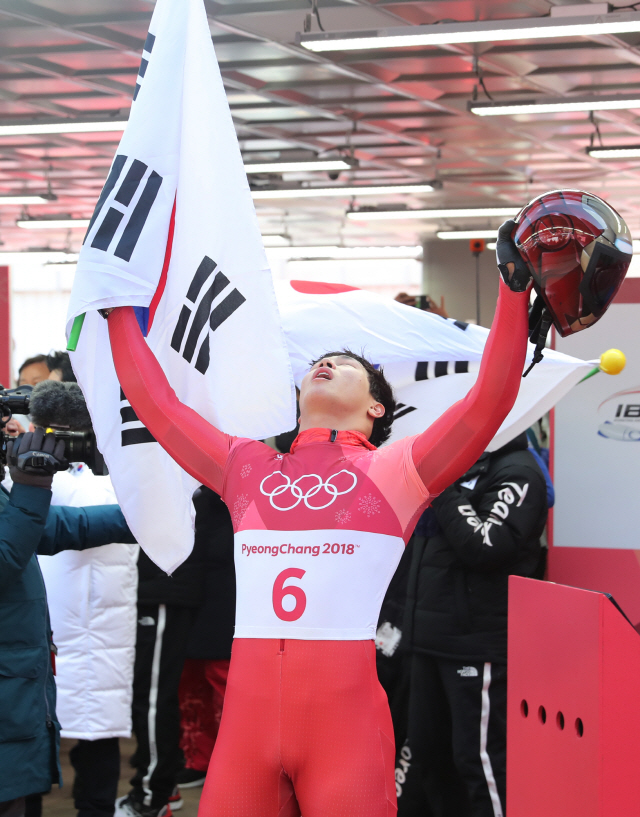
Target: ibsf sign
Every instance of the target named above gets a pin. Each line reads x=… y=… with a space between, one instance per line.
x=620 y=416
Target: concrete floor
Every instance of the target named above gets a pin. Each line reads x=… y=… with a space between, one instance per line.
x=59 y=803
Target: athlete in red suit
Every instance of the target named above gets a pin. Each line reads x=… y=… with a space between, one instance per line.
x=318 y=534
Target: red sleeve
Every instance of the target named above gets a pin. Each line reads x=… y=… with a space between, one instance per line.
x=197 y=446
x=451 y=445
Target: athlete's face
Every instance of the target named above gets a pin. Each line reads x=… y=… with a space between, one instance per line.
x=338 y=385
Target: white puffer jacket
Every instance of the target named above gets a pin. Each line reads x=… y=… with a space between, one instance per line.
x=92 y=600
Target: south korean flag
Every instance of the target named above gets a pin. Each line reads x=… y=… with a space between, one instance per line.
x=174 y=234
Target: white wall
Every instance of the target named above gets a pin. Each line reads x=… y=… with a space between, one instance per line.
x=39 y=297
x=597 y=451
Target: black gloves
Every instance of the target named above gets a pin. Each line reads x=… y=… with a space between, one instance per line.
x=507 y=253
x=34 y=457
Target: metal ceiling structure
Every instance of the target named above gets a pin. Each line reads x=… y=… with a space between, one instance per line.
x=400 y=115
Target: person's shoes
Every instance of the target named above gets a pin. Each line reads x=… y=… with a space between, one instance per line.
x=129 y=806
x=190 y=778
x=175 y=800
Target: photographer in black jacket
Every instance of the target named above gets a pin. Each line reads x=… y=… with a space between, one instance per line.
x=488 y=527
x=29 y=730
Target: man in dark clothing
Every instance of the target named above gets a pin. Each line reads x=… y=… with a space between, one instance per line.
x=167 y=607
x=29 y=730
x=455 y=624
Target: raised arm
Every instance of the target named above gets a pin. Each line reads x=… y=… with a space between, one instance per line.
x=197 y=446
x=451 y=445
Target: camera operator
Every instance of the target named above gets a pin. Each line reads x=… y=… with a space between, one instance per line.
x=29 y=730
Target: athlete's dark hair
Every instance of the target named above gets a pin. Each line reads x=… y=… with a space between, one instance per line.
x=30 y=361
x=60 y=360
x=381 y=392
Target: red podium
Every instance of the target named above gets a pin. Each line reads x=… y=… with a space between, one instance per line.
x=573 y=704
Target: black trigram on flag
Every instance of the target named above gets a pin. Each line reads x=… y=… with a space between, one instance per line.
x=192 y=320
x=133 y=434
x=401 y=410
x=144 y=62
x=439 y=368
x=120 y=209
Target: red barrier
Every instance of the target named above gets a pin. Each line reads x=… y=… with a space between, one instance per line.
x=5 y=329
x=573 y=704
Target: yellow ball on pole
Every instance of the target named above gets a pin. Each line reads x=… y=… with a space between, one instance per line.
x=612 y=361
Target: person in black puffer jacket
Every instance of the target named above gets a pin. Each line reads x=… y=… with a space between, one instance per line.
x=489 y=525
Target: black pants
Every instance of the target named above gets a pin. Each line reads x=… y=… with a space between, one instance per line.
x=161 y=644
x=457 y=739
x=97 y=767
x=12 y=808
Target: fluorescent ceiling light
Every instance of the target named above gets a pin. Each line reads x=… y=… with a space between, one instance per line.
x=348 y=253
x=53 y=224
x=276 y=240
x=621 y=152
x=7 y=200
x=533 y=28
x=36 y=129
x=295 y=167
x=384 y=215
x=469 y=234
x=491 y=245
x=636 y=246
x=557 y=105
x=341 y=192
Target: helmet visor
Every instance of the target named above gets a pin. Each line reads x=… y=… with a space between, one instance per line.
x=602 y=279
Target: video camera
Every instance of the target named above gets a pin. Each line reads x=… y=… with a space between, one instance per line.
x=59 y=407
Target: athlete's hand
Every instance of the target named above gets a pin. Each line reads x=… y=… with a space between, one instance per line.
x=513 y=269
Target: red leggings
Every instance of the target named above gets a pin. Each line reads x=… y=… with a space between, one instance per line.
x=305 y=729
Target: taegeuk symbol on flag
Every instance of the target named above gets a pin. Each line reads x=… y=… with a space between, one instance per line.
x=174 y=234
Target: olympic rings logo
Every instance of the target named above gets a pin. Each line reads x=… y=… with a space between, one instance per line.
x=304 y=496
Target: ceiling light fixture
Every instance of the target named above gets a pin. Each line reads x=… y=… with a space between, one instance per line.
x=384 y=215
x=620 y=152
x=341 y=192
x=8 y=200
x=555 y=105
x=299 y=167
x=448 y=235
x=37 y=128
x=531 y=28
x=53 y=224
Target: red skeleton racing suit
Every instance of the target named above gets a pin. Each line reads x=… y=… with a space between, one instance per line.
x=318 y=535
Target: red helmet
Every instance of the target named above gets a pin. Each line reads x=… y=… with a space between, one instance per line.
x=578 y=249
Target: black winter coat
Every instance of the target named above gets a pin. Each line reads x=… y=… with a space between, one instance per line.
x=490 y=522
x=212 y=631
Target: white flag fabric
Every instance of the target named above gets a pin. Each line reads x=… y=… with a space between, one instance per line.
x=430 y=361
x=199 y=278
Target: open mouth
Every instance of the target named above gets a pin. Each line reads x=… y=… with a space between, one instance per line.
x=323 y=374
